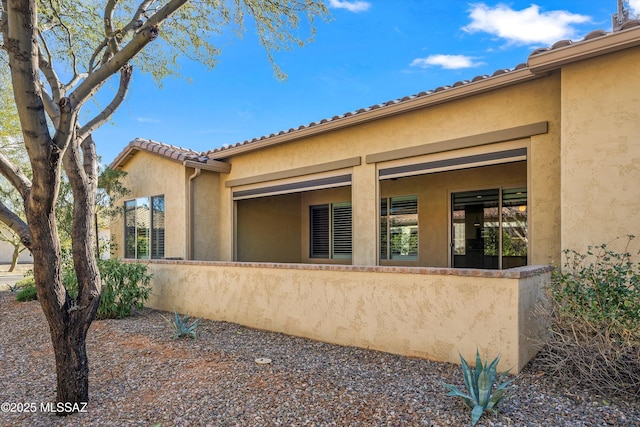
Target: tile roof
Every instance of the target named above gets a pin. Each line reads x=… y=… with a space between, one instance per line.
x=171 y=152
x=183 y=154
x=219 y=152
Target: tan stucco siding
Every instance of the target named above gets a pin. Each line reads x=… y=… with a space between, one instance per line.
x=530 y=102
x=6 y=254
x=601 y=149
x=544 y=177
x=207 y=240
x=151 y=175
x=426 y=314
x=268 y=229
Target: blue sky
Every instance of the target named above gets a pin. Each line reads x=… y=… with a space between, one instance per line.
x=369 y=52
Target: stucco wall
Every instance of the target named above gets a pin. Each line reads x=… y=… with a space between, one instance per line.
x=530 y=102
x=151 y=175
x=269 y=229
x=207 y=238
x=601 y=149
x=428 y=313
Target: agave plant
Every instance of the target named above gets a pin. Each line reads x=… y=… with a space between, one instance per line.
x=181 y=326
x=480 y=383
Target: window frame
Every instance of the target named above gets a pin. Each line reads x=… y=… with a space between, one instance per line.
x=155 y=236
x=512 y=206
x=385 y=236
x=335 y=245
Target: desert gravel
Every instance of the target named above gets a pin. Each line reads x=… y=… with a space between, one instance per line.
x=140 y=376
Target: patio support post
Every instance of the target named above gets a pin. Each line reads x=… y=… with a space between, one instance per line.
x=364 y=202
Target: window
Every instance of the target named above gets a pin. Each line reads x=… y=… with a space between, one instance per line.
x=144 y=228
x=399 y=228
x=490 y=228
x=330 y=231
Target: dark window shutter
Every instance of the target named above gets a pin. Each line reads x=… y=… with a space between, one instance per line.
x=320 y=227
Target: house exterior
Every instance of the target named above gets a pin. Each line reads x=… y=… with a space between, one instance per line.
x=422 y=226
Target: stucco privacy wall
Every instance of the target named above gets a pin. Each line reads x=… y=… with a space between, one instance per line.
x=429 y=313
x=601 y=158
x=151 y=175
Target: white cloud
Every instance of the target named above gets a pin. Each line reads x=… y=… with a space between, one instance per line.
x=148 y=120
x=352 y=6
x=634 y=5
x=449 y=62
x=526 y=26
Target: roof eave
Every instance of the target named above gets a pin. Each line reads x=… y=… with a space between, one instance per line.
x=122 y=158
x=508 y=78
x=210 y=165
x=558 y=57
x=131 y=150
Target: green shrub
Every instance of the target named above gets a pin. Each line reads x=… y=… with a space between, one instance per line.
x=21 y=284
x=24 y=283
x=592 y=312
x=28 y=292
x=69 y=279
x=480 y=382
x=125 y=286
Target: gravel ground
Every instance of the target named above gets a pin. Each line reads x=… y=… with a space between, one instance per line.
x=141 y=377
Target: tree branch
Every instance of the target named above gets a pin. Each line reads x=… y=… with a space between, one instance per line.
x=49 y=73
x=146 y=34
x=3 y=19
x=20 y=38
x=125 y=80
x=68 y=40
x=102 y=46
x=66 y=127
x=112 y=41
x=52 y=109
x=14 y=222
x=82 y=171
x=90 y=163
x=136 y=20
x=15 y=176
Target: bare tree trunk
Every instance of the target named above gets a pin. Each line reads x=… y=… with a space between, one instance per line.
x=68 y=320
x=72 y=366
x=70 y=345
